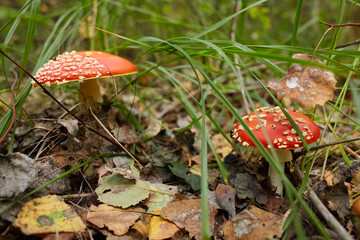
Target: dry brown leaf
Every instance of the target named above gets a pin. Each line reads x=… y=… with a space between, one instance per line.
x=355 y=181
x=186 y=214
x=337 y=199
x=115 y=219
x=329 y=178
x=223 y=147
x=254 y=223
x=142 y=228
x=225 y=197
x=306 y=85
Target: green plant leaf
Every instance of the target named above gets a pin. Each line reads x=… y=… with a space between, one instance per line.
x=182 y=171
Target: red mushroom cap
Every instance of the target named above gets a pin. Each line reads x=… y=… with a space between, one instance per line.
x=277 y=127
x=84 y=65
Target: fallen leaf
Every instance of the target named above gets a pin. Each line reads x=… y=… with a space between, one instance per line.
x=48 y=214
x=160 y=196
x=254 y=223
x=159 y=228
x=247 y=186
x=142 y=228
x=329 y=178
x=113 y=218
x=62 y=236
x=125 y=172
x=225 y=198
x=49 y=169
x=17 y=172
x=337 y=200
x=222 y=147
x=185 y=138
x=119 y=191
x=124 y=135
x=71 y=143
x=306 y=85
x=71 y=125
x=152 y=130
x=355 y=181
x=186 y=214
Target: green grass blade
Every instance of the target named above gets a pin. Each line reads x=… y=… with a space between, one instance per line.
x=296 y=22
x=227 y=19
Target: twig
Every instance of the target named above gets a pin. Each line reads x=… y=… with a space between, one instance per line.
x=78 y=195
x=330 y=144
x=331 y=26
x=341 y=25
x=347 y=44
x=333 y=223
x=114 y=139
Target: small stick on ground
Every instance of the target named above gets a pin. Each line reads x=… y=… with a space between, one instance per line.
x=333 y=223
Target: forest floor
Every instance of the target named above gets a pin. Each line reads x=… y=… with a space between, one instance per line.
x=154 y=193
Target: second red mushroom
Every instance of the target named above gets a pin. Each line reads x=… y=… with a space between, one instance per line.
x=281 y=134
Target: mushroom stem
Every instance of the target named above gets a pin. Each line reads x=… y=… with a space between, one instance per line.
x=276 y=181
x=90 y=91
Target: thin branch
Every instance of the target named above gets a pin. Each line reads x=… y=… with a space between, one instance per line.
x=329 y=218
x=348 y=44
x=331 y=144
x=114 y=139
x=333 y=223
x=341 y=25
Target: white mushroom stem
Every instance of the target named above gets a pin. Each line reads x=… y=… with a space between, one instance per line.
x=283 y=156
x=90 y=91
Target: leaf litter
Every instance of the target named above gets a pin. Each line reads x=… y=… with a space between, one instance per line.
x=164 y=195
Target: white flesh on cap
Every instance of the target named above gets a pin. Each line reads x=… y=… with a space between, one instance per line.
x=283 y=156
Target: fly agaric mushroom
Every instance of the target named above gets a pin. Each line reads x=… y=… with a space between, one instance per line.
x=282 y=135
x=86 y=67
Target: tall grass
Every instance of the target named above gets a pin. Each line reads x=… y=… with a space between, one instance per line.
x=188 y=41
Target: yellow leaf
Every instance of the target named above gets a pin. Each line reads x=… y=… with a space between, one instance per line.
x=160 y=228
x=48 y=214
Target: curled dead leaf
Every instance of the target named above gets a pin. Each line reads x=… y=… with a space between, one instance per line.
x=306 y=85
